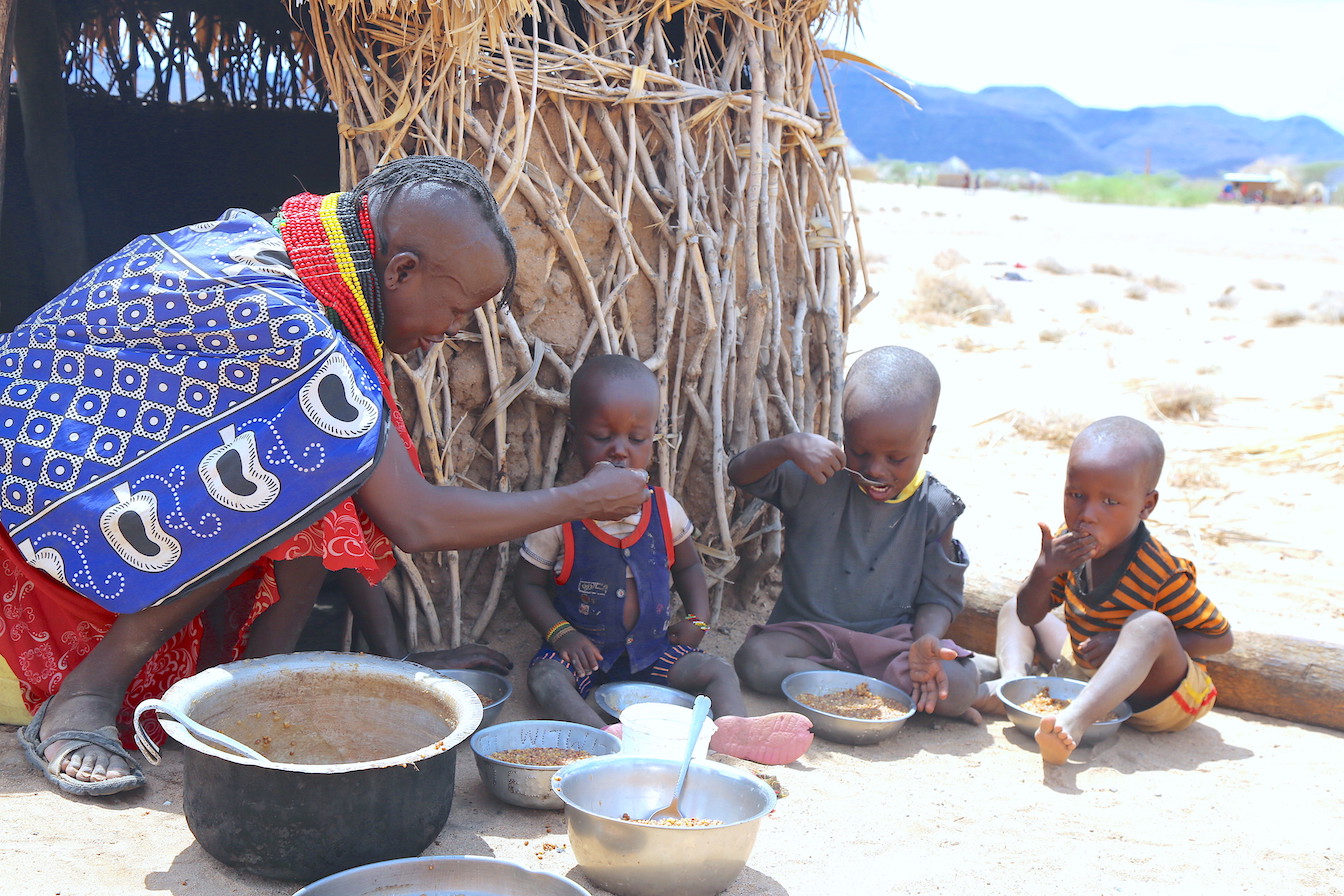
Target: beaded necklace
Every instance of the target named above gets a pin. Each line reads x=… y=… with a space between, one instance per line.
x=330 y=242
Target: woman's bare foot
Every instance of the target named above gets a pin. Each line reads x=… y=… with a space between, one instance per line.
x=84 y=712
x=1055 y=741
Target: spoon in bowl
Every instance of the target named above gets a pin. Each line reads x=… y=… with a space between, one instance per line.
x=673 y=809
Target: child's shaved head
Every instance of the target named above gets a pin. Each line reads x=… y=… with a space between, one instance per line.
x=888 y=378
x=597 y=371
x=1133 y=439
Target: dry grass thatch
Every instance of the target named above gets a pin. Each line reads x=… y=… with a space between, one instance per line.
x=676 y=195
x=243 y=53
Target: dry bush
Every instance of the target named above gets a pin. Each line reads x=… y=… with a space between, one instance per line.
x=1286 y=317
x=1089 y=306
x=1053 y=427
x=1258 y=283
x=873 y=257
x=1194 y=476
x=949 y=297
x=1136 y=291
x=869 y=173
x=1112 y=269
x=1052 y=335
x=948 y=259
x=1227 y=300
x=1111 y=325
x=1054 y=266
x=1162 y=284
x=1330 y=309
x=1182 y=401
x=1208 y=370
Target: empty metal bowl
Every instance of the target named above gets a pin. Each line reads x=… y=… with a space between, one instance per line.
x=613 y=697
x=1014 y=691
x=443 y=875
x=492 y=689
x=632 y=859
x=529 y=786
x=845 y=729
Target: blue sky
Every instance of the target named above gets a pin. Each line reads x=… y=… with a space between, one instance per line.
x=1266 y=59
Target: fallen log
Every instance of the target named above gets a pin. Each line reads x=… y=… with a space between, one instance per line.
x=1294 y=679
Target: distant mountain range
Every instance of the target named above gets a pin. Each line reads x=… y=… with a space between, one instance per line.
x=1036 y=129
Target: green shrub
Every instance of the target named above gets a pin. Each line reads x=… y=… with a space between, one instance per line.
x=1165 y=189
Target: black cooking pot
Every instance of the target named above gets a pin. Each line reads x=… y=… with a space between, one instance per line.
x=360 y=760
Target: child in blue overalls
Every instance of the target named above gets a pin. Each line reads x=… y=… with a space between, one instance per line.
x=600 y=593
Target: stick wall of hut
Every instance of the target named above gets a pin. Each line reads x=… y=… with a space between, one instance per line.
x=676 y=190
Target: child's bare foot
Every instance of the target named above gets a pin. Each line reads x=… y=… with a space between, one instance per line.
x=775 y=739
x=1055 y=742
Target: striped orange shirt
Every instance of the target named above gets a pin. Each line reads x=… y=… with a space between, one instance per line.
x=1150 y=579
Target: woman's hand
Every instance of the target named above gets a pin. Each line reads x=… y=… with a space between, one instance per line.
x=467 y=656
x=609 y=492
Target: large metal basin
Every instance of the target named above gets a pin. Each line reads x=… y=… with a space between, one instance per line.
x=360 y=760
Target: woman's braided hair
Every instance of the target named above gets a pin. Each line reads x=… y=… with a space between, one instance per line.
x=388 y=180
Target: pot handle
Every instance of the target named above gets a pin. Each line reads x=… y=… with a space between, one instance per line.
x=208 y=735
x=148 y=748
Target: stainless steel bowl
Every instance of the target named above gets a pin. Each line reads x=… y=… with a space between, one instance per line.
x=529 y=786
x=631 y=859
x=441 y=876
x=492 y=689
x=844 y=729
x=1014 y=691
x=613 y=697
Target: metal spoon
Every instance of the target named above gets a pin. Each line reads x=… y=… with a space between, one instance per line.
x=698 y=714
x=208 y=735
x=863 y=480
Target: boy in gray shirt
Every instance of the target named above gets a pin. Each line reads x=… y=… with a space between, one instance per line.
x=872 y=576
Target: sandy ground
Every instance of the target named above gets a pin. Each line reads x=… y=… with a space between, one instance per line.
x=1238 y=804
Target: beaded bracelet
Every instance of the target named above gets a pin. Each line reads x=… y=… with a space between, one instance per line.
x=556 y=630
x=697 y=622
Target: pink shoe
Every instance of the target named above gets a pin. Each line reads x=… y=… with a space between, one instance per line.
x=775 y=739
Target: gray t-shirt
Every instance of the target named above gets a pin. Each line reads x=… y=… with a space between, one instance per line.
x=859 y=563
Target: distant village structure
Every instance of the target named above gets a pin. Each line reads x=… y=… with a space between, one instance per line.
x=1263 y=183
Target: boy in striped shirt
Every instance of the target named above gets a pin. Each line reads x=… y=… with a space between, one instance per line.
x=1134 y=620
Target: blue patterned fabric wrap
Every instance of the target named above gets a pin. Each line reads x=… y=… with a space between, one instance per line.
x=182 y=408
